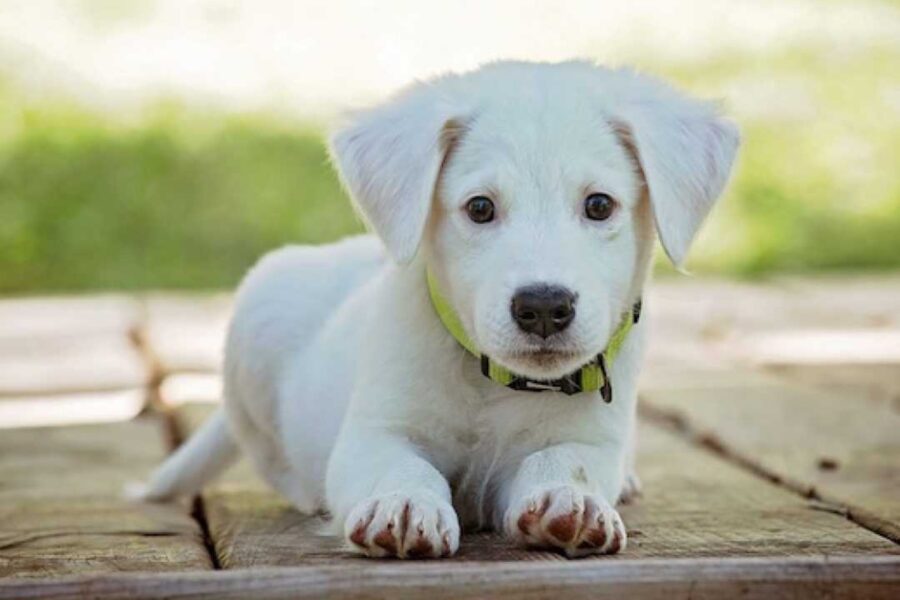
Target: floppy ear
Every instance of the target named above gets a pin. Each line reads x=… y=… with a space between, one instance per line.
x=389 y=159
x=685 y=151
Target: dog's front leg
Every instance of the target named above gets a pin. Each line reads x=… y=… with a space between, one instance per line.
x=562 y=498
x=393 y=501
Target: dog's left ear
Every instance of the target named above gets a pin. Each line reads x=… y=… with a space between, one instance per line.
x=685 y=151
x=389 y=159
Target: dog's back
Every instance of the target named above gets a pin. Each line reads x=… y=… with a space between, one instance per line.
x=281 y=307
x=287 y=298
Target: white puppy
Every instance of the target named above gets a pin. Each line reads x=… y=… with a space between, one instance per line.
x=526 y=196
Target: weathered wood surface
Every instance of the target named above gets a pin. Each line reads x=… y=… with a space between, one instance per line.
x=881 y=381
x=839 y=300
x=70 y=409
x=874 y=578
x=843 y=448
x=753 y=454
x=185 y=388
x=187 y=332
x=54 y=365
x=695 y=505
x=711 y=305
x=69 y=316
x=61 y=345
x=62 y=510
x=829 y=424
x=713 y=323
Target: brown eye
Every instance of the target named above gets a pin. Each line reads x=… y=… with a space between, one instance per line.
x=599 y=207
x=480 y=209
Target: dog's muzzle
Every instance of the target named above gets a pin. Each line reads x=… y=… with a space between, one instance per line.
x=591 y=377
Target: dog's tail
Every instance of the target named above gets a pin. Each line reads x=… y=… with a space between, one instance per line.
x=196 y=462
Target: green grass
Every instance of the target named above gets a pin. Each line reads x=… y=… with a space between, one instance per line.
x=165 y=204
x=181 y=199
x=817 y=186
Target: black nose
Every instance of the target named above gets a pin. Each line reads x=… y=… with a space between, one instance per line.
x=543 y=309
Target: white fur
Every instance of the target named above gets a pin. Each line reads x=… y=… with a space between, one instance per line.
x=346 y=391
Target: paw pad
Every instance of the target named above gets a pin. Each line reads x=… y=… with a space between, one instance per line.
x=566 y=520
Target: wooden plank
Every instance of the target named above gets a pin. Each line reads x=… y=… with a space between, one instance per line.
x=65 y=364
x=251 y=525
x=839 y=443
x=836 y=578
x=881 y=381
x=707 y=323
x=57 y=317
x=708 y=305
x=695 y=505
x=62 y=511
x=689 y=316
x=185 y=388
x=63 y=345
x=846 y=300
x=842 y=448
x=70 y=409
x=829 y=347
x=187 y=332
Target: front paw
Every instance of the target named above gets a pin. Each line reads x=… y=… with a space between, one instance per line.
x=403 y=525
x=565 y=519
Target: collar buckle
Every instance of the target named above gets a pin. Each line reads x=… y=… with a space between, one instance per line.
x=568 y=385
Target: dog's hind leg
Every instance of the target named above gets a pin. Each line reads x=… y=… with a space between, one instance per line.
x=265 y=451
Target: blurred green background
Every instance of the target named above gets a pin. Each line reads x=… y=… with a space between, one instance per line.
x=182 y=194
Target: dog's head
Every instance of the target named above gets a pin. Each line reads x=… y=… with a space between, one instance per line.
x=533 y=190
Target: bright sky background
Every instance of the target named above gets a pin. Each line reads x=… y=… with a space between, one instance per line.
x=316 y=57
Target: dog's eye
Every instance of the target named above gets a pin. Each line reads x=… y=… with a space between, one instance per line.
x=599 y=207
x=480 y=209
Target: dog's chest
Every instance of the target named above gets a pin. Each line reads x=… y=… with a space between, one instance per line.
x=475 y=481
x=502 y=429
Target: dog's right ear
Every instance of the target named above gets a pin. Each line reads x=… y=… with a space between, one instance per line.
x=389 y=159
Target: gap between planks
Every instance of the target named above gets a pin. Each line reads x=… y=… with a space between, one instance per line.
x=198 y=507
x=175 y=436
x=680 y=424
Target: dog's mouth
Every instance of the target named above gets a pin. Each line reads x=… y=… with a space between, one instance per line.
x=545 y=355
x=544 y=362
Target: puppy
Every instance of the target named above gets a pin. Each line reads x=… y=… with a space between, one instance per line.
x=474 y=363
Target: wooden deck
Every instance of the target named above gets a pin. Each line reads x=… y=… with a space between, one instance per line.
x=770 y=457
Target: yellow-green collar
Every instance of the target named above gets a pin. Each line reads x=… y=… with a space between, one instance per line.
x=591 y=377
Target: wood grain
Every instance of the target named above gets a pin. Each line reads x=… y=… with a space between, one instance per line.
x=62 y=511
x=841 y=447
x=694 y=505
x=749 y=480
x=836 y=578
